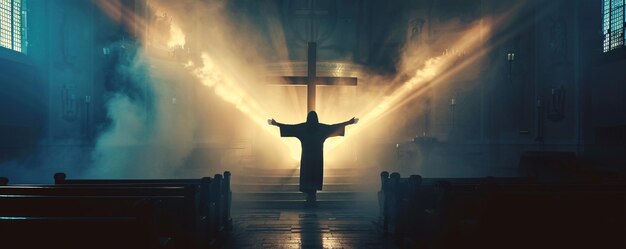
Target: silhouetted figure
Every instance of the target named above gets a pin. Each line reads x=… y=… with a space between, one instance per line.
x=312 y=135
x=4 y=181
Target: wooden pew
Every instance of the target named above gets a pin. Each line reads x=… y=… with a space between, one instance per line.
x=132 y=229
x=415 y=190
x=214 y=203
x=393 y=190
x=503 y=213
x=424 y=213
x=94 y=217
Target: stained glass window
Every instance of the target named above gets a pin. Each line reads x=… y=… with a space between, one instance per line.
x=11 y=24
x=613 y=24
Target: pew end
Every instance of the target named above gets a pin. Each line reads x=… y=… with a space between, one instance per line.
x=4 y=181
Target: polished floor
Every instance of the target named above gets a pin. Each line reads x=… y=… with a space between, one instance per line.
x=305 y=228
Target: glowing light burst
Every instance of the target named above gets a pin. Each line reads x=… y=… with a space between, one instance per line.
x=401 y=90
x=434 y=71
x=177 y=37
x=227 y=88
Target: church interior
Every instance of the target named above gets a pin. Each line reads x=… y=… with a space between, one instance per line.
x=172 y=124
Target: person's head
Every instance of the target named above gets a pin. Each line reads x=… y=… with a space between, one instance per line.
x=311 y=118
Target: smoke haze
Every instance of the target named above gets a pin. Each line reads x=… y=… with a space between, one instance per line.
x=198 y=79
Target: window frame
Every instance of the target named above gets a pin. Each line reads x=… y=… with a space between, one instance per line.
x=21 y=45
x=607 y=40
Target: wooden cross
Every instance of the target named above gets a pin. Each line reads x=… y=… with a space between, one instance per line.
x=311 y=80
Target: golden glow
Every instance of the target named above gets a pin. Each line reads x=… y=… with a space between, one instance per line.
x=177 y=37
x=221 y=78
x=228 y=70
x=434 y=71
x=227 y=88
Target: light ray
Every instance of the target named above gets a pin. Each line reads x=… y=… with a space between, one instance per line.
x=433 y=71
x=224 y=78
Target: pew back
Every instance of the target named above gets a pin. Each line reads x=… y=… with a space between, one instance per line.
x=180 y=213
x=213 y=204
x=503 y=213
x=39 y=216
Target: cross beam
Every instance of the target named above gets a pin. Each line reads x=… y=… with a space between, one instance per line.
x=311 y=80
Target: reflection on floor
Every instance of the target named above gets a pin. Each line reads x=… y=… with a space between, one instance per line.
x=305 y=228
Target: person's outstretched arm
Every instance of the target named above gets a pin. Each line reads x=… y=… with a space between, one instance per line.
x=340 y=128
x=286 y=130
x=275 y=123
x=350 y=122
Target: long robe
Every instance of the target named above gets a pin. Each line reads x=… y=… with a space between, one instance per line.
x=312 y=137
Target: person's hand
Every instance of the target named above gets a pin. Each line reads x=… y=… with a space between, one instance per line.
x=272 y=122
x=354 y=120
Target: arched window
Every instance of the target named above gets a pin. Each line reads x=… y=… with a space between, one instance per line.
x=613 y=24
x=12 y=25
